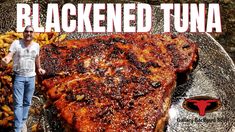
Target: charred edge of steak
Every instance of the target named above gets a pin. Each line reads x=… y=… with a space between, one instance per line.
x=182 y=77
x=81 y=68
x=74 y=54
x=175 y=56
x=182 y=53
x=112 y=41
x=54 y=49
x=140 y=80
x=156 y=84
x=116 y=52
x=52 y=115
x=121 y=40
x=118 y=98
x=131 y=104
x=100 y=72
x=106 y=111
x=138 y=93
x=93 y=49
x=80 y=97
x=131 y=57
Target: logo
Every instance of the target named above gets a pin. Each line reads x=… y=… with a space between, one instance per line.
x=202 y=104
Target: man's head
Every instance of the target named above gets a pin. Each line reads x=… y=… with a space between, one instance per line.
x=28 y=33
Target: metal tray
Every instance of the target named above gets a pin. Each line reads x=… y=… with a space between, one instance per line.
x=214 y=76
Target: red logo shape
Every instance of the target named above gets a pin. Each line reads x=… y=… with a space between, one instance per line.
x=202 y=104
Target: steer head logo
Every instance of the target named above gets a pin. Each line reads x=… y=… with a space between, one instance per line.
x=202 y=104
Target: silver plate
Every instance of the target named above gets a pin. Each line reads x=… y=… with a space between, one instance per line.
x=214 y=76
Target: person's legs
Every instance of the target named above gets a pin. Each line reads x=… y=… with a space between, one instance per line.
x=18 y=91
x=28 y=94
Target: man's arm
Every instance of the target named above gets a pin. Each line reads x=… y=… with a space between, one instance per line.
x=38 y=65
x=7 y=58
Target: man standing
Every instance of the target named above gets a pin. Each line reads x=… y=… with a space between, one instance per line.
x=25 y=54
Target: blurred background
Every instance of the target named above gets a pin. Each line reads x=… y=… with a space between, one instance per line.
x=227 y=10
